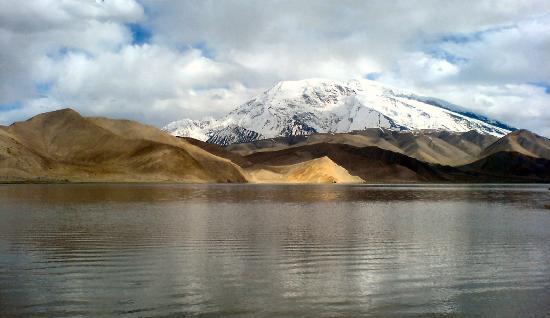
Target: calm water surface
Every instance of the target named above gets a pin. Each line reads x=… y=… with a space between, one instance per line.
x=96 y=250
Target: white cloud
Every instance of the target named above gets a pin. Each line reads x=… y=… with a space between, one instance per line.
x=137 y=82
x=424 y=68
x=516 y=53
x=43 y=15
x=32 y=30
x=520 y=105
x=205 y=57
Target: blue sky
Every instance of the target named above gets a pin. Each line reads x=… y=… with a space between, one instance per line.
x=157 y=61
x=140 y=34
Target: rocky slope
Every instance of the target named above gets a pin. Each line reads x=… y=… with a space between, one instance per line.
x=521 y=141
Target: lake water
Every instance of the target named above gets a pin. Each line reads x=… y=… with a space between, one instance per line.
x=164 y=250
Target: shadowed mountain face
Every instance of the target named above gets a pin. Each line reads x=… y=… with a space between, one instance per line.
x=379 y=155
x=374 y=164
x=440 y=147
x=507 y=164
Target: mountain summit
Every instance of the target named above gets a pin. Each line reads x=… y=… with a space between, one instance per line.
x=329 y=106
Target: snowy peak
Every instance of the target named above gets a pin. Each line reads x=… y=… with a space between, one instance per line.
x=196 y=129
x=232 y=134
x=329 y=106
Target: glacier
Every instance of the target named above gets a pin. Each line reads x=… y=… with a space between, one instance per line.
x=332 y=106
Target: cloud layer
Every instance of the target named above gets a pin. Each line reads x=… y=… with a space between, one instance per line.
x=156 y=61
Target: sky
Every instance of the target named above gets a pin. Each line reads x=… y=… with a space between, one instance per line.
x=156 y=61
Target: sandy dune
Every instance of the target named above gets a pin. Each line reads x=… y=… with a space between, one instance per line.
x=319 y=170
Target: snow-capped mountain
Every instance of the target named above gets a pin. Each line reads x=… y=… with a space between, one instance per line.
x=330 y=106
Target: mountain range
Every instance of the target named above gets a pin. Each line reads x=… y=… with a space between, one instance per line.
x=293 y=108
x=378 y=155
x=313 y=131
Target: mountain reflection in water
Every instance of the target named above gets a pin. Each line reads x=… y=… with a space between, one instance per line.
x=167 y=250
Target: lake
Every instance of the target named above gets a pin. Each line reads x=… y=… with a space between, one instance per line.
x=165 y=250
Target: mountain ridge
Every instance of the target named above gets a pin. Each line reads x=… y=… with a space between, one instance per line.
x=441 y=147
x=522 y=141
x=65 y=146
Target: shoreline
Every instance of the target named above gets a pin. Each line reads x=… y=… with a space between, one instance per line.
x=282 y=183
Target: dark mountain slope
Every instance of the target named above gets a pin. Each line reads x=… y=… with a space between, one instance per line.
x=440 y=147
x=372 y=164
x=511 y=165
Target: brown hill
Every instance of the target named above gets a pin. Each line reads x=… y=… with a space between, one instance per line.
x=441 y=147
x=521 y=141
x=18 y=162
x=64 y=145
x=373 y=164
x=318 y=170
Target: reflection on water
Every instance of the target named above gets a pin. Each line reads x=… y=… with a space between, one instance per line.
x=273 y=251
